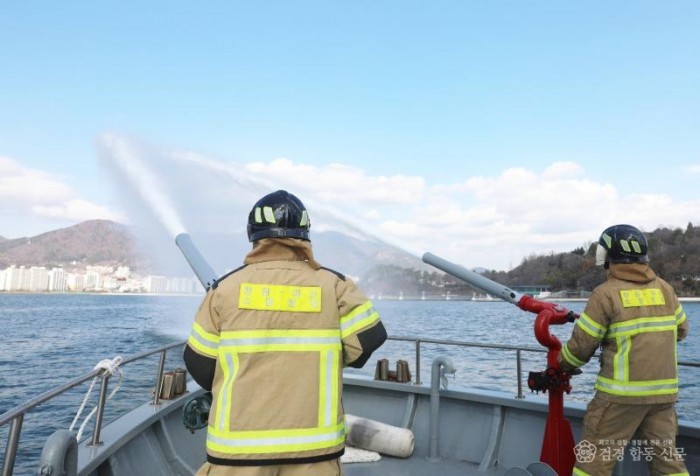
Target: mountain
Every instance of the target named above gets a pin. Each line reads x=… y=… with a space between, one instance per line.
x=94 y=242
x=346 y=254
x=102 y=242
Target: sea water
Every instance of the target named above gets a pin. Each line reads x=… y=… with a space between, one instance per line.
x=49 y=339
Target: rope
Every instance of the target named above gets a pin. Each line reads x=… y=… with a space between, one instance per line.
x=108 y=367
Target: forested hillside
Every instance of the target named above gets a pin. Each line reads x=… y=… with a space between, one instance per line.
x=674 y=254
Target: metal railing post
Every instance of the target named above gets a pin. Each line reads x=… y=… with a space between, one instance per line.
x=100 y=411
x=12 y=445
x=417 y=362
x=519 y=366
x=159 y=378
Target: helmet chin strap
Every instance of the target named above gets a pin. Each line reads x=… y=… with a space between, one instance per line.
x=601 y=255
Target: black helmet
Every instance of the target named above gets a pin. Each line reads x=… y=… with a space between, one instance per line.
x=278 y=215
x=624 y=244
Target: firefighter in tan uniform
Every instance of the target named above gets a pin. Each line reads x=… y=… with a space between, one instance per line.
x=636 y=319
x=270 y=341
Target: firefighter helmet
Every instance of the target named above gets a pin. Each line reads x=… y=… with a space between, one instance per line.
x=278 y=215
x=623 y=244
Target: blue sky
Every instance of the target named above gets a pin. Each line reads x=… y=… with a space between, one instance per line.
x=482 y=131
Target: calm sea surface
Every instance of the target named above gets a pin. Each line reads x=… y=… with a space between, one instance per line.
x=50 y=339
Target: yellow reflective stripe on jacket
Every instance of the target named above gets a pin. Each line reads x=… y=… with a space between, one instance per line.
x=360 y=317
x=279 y=297
x=571 y=358
x=205 y=342
x=623 y=332
x=642 y=297
x=578 y=472
x=680 y=316
x=637 y=389
x=325 y=342
x=642 y=324
x=229 y=366
x=621 y=361
x=590 y=327
x=275 y=441
x=328 y=388
x=281 y=340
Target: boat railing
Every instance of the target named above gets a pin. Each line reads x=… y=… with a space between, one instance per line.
x=15 y=416
x=519 y=349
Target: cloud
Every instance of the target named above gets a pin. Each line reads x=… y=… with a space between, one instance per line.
x=30 y=193
x=338 y=182
x=20 y=185
x=492 y=221
x=78 y=210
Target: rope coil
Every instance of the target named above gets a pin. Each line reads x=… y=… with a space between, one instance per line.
x=107 y=367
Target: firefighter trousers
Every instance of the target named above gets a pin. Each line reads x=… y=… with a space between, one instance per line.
x=322 y=468
x=649 y=430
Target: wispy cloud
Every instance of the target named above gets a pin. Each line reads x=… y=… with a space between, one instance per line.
x=27 y=193
x=493 y=221
x=490 y=220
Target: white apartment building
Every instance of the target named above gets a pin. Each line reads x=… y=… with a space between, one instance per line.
x=93 y=280
x=96 y=278
x=58 y=281
x=182 y=285
x=38 y=279
x=75 y=282
x=15 y=278
x=156 y=284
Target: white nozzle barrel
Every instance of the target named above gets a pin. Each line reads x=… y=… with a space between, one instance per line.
x=475 y=279
x=199 y=265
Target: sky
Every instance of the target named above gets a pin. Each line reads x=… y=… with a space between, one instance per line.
x=484 y=132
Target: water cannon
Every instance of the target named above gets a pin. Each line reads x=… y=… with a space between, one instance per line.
x=199 y=265
x=558 y=442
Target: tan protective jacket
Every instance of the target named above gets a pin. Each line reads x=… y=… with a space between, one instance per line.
x=636 y=318
x=281 y=329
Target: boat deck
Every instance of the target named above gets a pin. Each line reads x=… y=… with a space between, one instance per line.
x=416 y=466
x=479 y=432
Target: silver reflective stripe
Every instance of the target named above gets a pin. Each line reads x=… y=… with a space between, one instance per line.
x=281 y=340
x=636 y=388
x=206 y=343
x=330 y=361
x=226 y=391
x=636 y=327
x=623 y=348
x=364 y=315
x=587 y=324
x=680 y=316
x=281 y=441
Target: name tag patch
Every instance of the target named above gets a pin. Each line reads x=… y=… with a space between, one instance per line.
x=642 y=297
x=279 y=297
